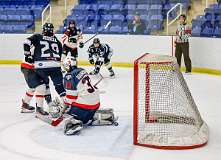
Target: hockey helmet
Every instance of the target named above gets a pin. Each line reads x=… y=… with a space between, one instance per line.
x=48 y=29
x=96 y=40
x=72 y=22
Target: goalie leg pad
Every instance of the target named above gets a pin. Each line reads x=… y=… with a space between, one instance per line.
x=104 y=117
x=72 y=126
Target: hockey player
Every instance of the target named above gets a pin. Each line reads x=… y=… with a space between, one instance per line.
x=82 y=100
x=70 y=40
x=34 y=82
x=100 y=54
x=46 y=59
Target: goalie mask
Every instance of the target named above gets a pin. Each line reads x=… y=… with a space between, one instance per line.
x=69 y=63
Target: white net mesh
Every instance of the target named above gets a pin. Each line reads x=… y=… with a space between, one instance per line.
x=167 y=114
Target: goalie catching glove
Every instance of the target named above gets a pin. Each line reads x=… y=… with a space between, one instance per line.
x=57 y=109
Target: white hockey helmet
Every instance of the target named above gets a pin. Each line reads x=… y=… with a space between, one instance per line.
x=69 y=63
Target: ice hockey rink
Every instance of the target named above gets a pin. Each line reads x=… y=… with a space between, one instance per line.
x=23 y=137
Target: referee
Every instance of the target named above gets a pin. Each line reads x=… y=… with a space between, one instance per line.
x=183 y=33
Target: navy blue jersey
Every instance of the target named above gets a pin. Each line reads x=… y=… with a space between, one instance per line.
x=47 y=51
x=102 y=51
x=79 y=90
x=72 y=79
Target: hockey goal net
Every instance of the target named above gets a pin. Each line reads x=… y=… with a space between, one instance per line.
x=165 y=114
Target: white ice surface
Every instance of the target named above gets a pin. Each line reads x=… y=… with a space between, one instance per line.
x=23 y=137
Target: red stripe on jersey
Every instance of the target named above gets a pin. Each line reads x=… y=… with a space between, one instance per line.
x=29 y=95
x=86 y=106
x=66 y=103
x=64 y=38
x=71 y=97
x=39 y=96
x=27 y=65
x=188 y=31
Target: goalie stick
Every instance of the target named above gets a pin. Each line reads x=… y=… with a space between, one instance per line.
x=49 y=120
x=101 y=78
x=105 y=27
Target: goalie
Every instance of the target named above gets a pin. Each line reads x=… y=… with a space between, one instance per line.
x=82 y=100
x=100 y=54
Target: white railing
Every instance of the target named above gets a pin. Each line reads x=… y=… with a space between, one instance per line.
x=206 y=3
x=168 y=13
x=65 y=7
x=48 y=7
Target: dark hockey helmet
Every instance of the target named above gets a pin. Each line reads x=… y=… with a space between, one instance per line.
x=48 y=29
x=72 y=22
x=96 y=40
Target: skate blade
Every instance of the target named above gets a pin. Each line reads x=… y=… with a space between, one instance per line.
x=112 y=77
x=27 y=111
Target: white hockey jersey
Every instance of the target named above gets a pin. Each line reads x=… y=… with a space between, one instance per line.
x=79 y=90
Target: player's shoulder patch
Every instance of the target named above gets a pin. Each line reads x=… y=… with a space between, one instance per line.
x=68 y=76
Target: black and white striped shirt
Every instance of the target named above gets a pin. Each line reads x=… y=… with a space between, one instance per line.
x=183 y=33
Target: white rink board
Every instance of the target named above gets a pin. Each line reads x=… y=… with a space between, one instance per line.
x=126 y=47
x=204 y=52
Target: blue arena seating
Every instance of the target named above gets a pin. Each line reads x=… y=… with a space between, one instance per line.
x=94 y=14
x=209 y=24
x=16 y=16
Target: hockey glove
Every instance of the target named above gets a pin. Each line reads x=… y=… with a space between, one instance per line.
x=91 y=61
x=81 y=44
x=29 y=59
x=72 y=40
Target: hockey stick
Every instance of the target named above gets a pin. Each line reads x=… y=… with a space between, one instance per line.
x=101 y=78
x=52 y=122
x=105 y=27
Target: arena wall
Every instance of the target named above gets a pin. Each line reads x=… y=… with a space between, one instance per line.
x=204 y=52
